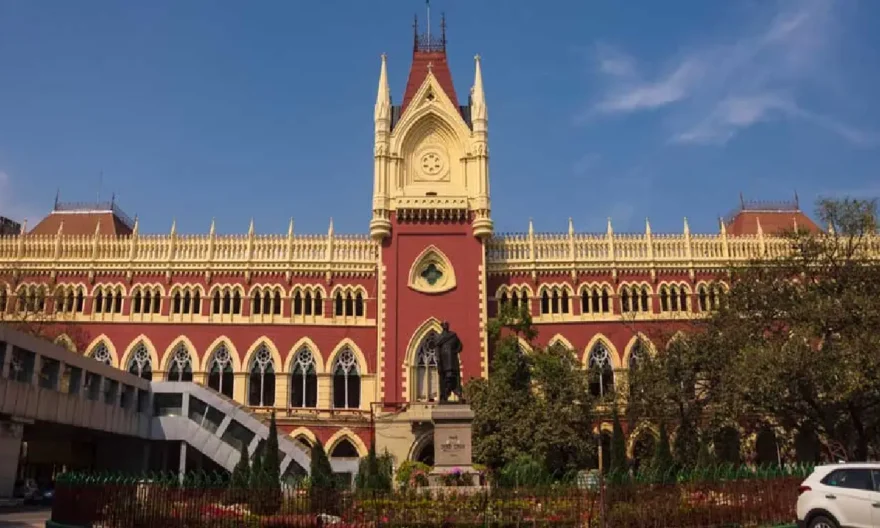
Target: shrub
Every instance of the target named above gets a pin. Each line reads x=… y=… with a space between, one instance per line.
x=412 y=474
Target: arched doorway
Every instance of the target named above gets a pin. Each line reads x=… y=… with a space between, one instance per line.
x=425 y=453
x=643 y=449
x=727 y=444
x=766 y=449
x=807 y=448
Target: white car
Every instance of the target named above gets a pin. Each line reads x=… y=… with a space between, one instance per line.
x=840 y=496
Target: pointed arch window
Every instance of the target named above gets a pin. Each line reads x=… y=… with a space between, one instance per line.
x=267 y=303
x=150 y=304
x=349 y=304
x=298 y=302
x=140 y=364
x=276 y=303
x=261 y=381
x=304 y=380
x=637 y=355
x=101 y=353
x=99 y=302
x=137 y=301
x=220 y=374
x=80 y=301
x=624 y=300
x=645 y=299
x=426 y=372
x=236 y=303
x=601 y=371
x=319 y=306
x=180 y=368
x=339 y=304
x=359 y=305
x=257 y=306
x=344 y=449
x=346 y=381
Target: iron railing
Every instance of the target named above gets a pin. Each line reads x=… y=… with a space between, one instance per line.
x=708 y=498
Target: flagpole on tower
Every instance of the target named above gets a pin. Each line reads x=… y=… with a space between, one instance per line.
x=428 y=7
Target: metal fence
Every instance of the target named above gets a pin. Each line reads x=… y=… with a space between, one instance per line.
x=696 y=499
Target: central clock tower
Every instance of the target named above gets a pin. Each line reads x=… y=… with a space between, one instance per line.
x=431 y=214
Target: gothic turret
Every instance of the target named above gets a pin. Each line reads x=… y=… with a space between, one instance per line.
x=380 y=225
x=431 y=155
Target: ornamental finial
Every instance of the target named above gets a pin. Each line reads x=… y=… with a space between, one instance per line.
x=647 y=226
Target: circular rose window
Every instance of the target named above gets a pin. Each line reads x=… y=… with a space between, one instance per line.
x=432 y=165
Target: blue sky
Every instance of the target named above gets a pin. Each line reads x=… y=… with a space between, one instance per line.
x=634 y=109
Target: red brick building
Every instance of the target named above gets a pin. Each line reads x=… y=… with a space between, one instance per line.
x=329 y=330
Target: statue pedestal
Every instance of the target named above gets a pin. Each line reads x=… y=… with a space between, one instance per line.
x=453 y=426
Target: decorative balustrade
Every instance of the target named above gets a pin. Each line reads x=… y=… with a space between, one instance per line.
x=330 y=252
x=191 y=252
x=538 y=251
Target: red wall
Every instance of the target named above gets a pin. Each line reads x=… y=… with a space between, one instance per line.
x=407 y=309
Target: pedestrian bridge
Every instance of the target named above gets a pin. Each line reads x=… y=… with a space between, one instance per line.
x=46 y=385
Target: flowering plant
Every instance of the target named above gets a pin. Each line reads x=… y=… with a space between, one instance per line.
x=456 y=477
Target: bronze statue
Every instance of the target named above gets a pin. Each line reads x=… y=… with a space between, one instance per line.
x=448 y=349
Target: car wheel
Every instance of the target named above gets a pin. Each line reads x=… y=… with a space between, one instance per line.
x=821 y=521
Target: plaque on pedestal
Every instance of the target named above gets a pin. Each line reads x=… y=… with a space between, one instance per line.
x=453 y=426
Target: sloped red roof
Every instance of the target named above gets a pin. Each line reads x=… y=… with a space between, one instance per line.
x=418 y=71
x=745 y=222
x=81 y=223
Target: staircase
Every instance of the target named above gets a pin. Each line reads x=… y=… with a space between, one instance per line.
x=217 y=427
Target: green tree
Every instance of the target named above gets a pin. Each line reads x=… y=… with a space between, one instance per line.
x=258 y=473
x=320 y=472
x=532 y=404
x=374 y=472
x=323 y=482
x=801 y=332
x=272 y=468
x=241 y=474
x=662 y=463
x=618 y=462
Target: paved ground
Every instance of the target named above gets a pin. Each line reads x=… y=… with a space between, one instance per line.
x=24 y=517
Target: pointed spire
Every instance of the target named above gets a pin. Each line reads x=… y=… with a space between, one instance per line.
x=174 y=226
x=383 y=95
x=97 y=228
x=213 y=227
x=134 y=230
x=57 y=198
x=723 y=226
x=687 y=228
x=330 y=230
x=570 y=226
x=831 y=228
x=290 y=228
x=478 y=96
x=610 y=230
x=760 y=230
x=647 y=226
x=531 y=227
x=796 y=229
x=251 y=228
x=60 y=227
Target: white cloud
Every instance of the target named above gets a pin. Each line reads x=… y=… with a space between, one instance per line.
x=614 y=62
x=674 y=87
x=735 y=113
x=718 y=90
